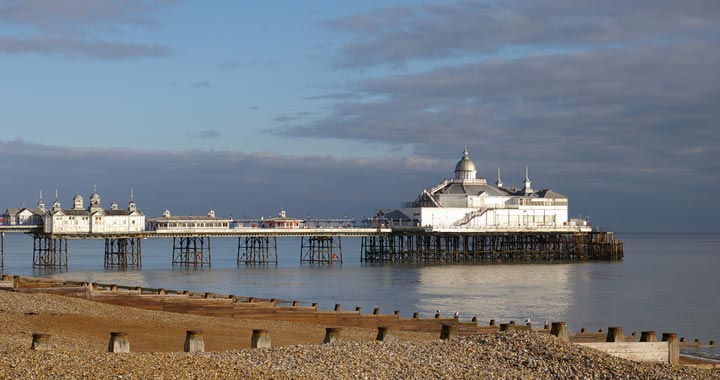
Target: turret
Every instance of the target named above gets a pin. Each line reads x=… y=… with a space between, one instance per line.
x=41 y=204
x=56 y=204
x=528 y=188
x=499 y=181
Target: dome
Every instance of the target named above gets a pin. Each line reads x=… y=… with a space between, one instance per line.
x=465 y=164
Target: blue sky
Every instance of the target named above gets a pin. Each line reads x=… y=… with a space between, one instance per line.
x=344 y=107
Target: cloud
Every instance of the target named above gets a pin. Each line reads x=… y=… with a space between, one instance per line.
x=396 y=35
x=73 y=47
x=208 y=134
x=254 y=184
x=201 y=85
x=237 y=65
x=73 y=28
x=286 y=117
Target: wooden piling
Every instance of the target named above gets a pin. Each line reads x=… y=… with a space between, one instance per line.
x=559 y=329
x=474 y=319
x=396 y=312
x=492 y=322
x=384 y=334
x=358 y=309
x=507 y=326
x=449 y=332
x=376 y=311
x=295 y=303
x=332 y=335
x=40 y=342
x=194 y=341
x=615 y=334
x=437 y=315
x=337 y=307
x=674 y=347
x=118 y=342
x=260 y=339
x=648 y=336
x=416 y=315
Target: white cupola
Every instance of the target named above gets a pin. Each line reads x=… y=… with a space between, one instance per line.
x=465 y=168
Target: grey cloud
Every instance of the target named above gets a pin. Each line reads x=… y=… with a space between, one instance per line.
x=638 y=120
x=396 y=35
x=194 y=181
x=208 y=134
x=73 y=47
x=237 y=65
x=262 y=183
x=283 y=118
x=73 y=28
x=201 y=85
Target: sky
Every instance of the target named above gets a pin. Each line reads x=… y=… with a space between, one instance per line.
x=334 y=108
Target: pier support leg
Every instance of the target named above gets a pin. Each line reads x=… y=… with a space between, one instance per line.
x=49 y=252
x=257 y=250
x=123 y=253
x=193 y=251
x=321 y=249
x=2 y=250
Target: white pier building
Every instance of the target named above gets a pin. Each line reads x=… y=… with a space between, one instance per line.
x=469 y=202
x=93 y=219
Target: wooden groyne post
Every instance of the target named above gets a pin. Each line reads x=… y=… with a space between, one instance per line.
x=674 y=347
x=449 y=332
x=260 y=339
x=559 y=329
x=118 y=342
x=384 y=334
x=40 y=342
x=332 y=335
x=194 y=341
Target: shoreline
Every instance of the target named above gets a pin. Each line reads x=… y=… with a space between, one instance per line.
x=82 y=327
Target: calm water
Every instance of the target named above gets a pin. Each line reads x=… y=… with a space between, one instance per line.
x=667 y=282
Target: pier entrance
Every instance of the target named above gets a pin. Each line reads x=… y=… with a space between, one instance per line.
x=123 y=253
x=257 y=250
x=321 y=249
x=193 y=251
x=49 y=252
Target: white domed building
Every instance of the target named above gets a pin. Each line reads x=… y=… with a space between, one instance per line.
x=469 y=202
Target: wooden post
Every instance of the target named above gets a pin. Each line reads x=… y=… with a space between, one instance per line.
x=194 y=341
x=615 y=334
x=507 y=326
x=260 y=339
x=119 y=342
x=648 y=336
x=40 y=342
x=437 y=315
x=474 y=319
x=674 y=348
x=582 y=329
x=384 y=334
x=295 y=303
x=113 y=288
x=16 y=282
x=416 y=315
x=337 y=307
x=376 y=311
x=396 y=312
x=161 y=292
x=492 y=322
x=449 y=332
x=559 y=329
x=332 y=335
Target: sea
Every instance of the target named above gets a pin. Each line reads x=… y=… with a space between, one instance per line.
x=667 y=282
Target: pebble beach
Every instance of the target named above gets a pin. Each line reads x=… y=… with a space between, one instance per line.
x=79 y=331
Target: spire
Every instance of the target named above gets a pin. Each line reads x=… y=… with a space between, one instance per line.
x=56 y=195
x=528 y=188
x=41 y=204
x=56 y=204
x=132 y=197
x=132 y=206
x=94 y=188
x=499 y=181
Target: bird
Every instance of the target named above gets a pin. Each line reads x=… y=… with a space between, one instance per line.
x=456 y=315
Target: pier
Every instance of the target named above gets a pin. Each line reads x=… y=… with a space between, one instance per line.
x=324 y=245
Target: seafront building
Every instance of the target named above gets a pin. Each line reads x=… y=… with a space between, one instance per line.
x=193 y=223
x=469 y=202
x=93 y=219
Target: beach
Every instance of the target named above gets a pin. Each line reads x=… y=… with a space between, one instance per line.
x=80 y=331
